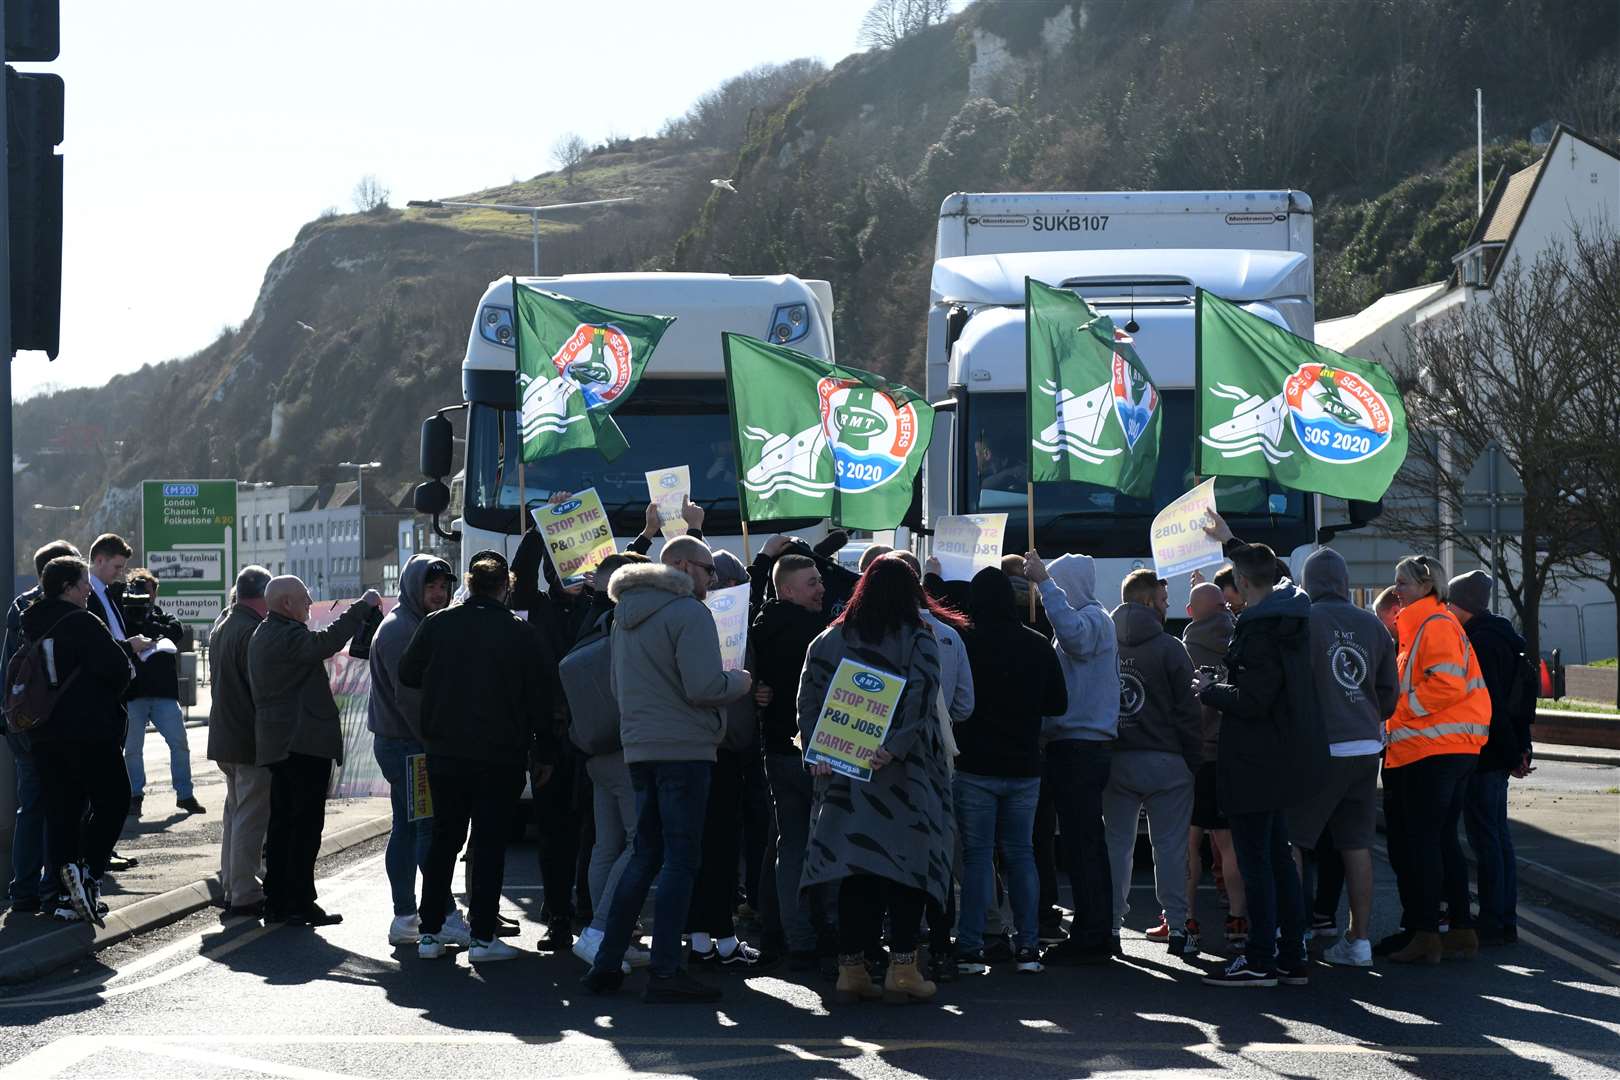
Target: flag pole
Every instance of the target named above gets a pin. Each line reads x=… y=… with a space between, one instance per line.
x=748 y=557
x=517 y=348
x=1029 y=487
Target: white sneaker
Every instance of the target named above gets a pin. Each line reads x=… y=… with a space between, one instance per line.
x=455 y=930
x=429 y=947
x=589 y=943
x=1347 y=953
x=405 y=930
x=484 y=952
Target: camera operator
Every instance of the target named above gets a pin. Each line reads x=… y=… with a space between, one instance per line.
x=155 y=693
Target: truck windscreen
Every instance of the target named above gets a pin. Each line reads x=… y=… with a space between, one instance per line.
x=668 y=422
x=1100 y=521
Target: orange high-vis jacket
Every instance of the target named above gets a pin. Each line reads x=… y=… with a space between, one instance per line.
x=1444 y=707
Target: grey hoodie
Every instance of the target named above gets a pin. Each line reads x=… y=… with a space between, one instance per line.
x=1084 y=638
x=1157 y=710
x=667 y=674
x=1352 y=656
x=1207 y=641
x=393 y=710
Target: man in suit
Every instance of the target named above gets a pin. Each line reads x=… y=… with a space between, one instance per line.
x=109 y=555
x=297 y=736
x=230 y=746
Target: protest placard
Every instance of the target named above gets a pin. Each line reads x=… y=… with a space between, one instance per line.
x=855 y=718
x=1180 y=544
x=669 y=490
x=417 y=791
x=730 y=610
x=577 y=532
x=964 y=544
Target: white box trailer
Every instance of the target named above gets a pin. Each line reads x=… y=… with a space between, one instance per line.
x=1138 y=257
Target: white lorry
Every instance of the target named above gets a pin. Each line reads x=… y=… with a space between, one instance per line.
x=1137 y=257
x=677 y=416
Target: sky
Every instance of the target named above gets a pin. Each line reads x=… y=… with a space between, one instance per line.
x=201 y=135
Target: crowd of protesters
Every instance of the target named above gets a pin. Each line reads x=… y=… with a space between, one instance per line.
x=1035 y=729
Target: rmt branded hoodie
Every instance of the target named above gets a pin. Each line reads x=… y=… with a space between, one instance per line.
x=1352 y=656
x=1157 y=709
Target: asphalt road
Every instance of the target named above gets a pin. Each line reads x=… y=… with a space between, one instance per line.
x=202 y=998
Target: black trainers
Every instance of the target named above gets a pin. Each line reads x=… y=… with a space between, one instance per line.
x=314 y=915
x=602 y=982
x=1322 y=926
x=116 y=861
x=1071 y=954
x=704 y=959
x=971 y=962
x=1393 y=944
x=1294 y=974
x=191 y=805
x=26 y=905
x=743 y=958
x=1239 y=973
x=678 y=989
x=1052 y=932
x=1029 y=961
x=1176 y=943
x=999 y=950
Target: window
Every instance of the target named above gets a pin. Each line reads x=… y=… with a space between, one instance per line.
x=255 y=528
x=281 y=568
x=244 y=530
x=281 y=526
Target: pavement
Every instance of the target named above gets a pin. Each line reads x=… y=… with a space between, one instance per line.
x=231 y=998
x=178 y=863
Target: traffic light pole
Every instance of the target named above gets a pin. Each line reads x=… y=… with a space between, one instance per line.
x=8 y=523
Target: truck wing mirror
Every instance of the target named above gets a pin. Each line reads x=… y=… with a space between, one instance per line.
x=433 y=499
x=438 y=448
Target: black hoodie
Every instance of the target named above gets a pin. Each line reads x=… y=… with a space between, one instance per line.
x=1016 y=681
x=92 y=708
x=779 y=640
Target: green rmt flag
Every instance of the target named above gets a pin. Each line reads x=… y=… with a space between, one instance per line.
x=818 y=440
x=1094 y=415
x=576 y=363
x=1273 y=405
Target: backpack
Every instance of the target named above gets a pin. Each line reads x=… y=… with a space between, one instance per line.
x=1526 y=690
x=32 y=686
x=586 y=674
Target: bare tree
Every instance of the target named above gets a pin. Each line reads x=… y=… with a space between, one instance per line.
x=568 y=151
x=1594 y=414
x=370 y=194
x=1499 y=376
x=889 y=22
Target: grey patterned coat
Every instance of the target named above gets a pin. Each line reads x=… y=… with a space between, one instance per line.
x=899 y=825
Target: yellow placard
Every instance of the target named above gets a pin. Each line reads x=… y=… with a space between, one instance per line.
x=669 y=489
x=730 y=610
x=577 y=532
x=420 y=794
x=855 y=718
x=1180 y=544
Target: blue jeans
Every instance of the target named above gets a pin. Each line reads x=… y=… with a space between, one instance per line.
x=671 y=797
x=408 y=841
x=28 y=841
x=991 y=812
x=1486 y=820
x=164 y=714
x=1260 y=841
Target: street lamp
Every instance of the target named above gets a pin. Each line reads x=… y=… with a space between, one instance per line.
x=360 y=468
x=42 y=506
x=534 y=213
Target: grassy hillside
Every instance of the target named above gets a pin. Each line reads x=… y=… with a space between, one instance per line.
x=1366 y=106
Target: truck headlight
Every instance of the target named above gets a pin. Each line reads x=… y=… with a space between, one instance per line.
x=789 y=323
x=495 y=325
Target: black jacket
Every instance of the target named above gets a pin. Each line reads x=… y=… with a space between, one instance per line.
x=1016 y=681
x=780 y=638
x=92 y=709
x=1500 y=650
x=1273 y=749
x=159 y=676
x=488 y=683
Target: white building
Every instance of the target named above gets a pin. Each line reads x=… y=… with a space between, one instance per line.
x=261 y=515
x=1575 y=185
x=323 y=541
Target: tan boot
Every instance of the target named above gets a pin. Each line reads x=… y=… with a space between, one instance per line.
x=1459 y=944
x=1424 y=948
x=904 y=984
x=854 y=982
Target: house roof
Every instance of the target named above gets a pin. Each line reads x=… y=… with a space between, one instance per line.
x=1346 y=333
x=341 y=495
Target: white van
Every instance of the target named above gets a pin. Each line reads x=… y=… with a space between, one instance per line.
x=1137 y=257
